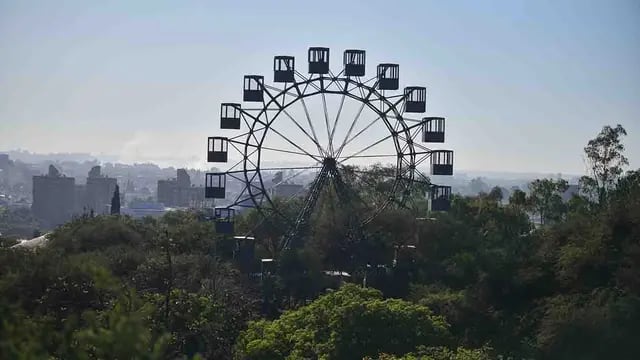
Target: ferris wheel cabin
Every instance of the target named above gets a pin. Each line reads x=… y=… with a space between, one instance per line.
x=230 y=116
x=224 y=220
x=442 y=162
x=433 y=130
x=283 y=69
x=415 y=99
x=318 y=60
x=440 y=198
x=215 y=185
x=388 y=76
x=354 y=62
x=253 y=87
x=217 y=149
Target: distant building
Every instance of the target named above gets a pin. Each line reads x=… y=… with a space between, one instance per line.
x=140 y=209
x=287 y=190
x=54 y=198
x=4 y=161
x=80 y=191
x=98 y=191
x=129 y=187
x=179 y=192
x=283 y=188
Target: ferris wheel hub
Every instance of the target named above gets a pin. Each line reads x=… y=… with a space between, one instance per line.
x=329 y=162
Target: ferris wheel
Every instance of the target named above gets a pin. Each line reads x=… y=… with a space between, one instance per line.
x=323 y=137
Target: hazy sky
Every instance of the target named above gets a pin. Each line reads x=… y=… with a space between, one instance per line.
x=523 y=84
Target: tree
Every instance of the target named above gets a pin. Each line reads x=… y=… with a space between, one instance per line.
x=120 y=332
x=605 y=160
x=439 y=353
x=198 y=324
x=75 y=297
x=518 y=199
x=478 y=186
x=115 y=201
x=545 y=199
x=350 y=323
x=496 y=194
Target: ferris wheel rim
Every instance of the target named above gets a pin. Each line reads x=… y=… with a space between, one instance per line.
x=402 y=180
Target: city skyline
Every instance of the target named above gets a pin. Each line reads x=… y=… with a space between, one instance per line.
x=143 y=82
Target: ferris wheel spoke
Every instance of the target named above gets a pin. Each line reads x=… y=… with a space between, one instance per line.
x=335 y=123
x=353 y=124
x=326 y=121
x=295 y=145
x=370 y=80
x=382 y=114
x=318 y=146
x=399 y=119
x=291 y=177
x=248 y=156
x=416 y=144
x=361 y=131
x=236 y=164
x=422 y=159
x=291 y=168
x=334 y=78
x=243 y=135
x=355 y=120
x=283 y=109
x=406 y=119
x=413 y=133
x=395 y=96
x=297 y=195
x=308 y=81
x=372 y=156
x=252 y=133
x=283 y=151
x=281 y=91
x=422 y=177
x=312 y=138
x=308 y=117
x=311 y=198
x=241 y=160
x=301 y=76
x=366 y=148
x=243 y=197
x=252 y=117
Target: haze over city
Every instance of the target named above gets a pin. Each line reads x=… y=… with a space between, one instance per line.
x=523 y=85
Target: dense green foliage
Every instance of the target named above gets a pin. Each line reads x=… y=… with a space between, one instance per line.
x=347 y=324
x=113 y=285
x=17 y=223
x=483 y=281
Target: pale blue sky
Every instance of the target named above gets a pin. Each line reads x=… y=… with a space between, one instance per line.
x=523 y=84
